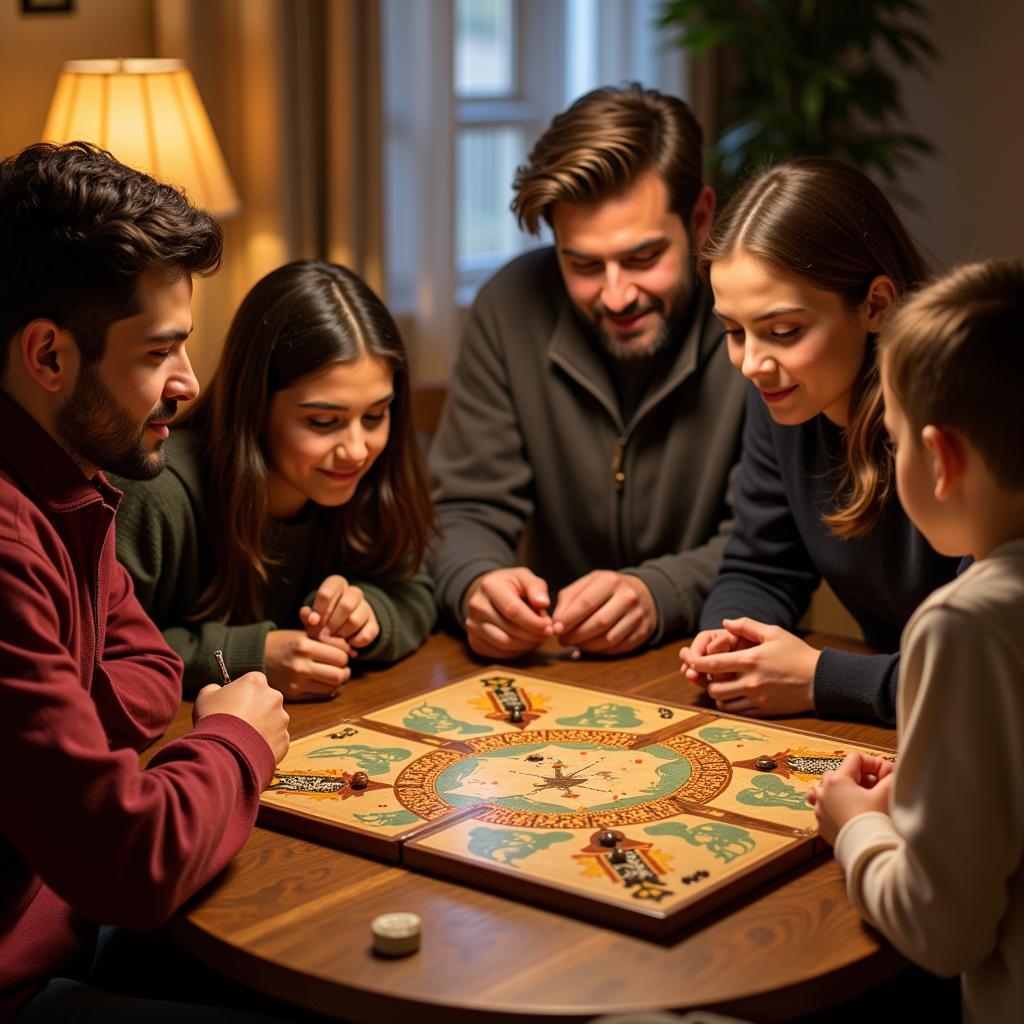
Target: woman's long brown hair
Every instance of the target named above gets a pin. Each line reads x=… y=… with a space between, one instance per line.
x=296 y=321
x=828 y=223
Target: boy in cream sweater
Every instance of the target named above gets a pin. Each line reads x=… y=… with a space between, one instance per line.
x=933 y=850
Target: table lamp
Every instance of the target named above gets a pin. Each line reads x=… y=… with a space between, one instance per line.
x=148 y=113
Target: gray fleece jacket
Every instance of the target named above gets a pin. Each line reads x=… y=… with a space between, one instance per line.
x=535 y=463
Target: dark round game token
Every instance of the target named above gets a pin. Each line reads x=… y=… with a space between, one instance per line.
x=765 y=764
x=607 y=838
x=360 y=780
x=618 y=855
x=534 y=757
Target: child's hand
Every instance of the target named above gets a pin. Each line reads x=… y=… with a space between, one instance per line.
x=873 y=769
x=860 y=784
x=341 y=610
x=754 y=668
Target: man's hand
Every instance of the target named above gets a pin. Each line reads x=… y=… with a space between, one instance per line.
x=861 y=783
x=303 y=668
x=340 y=610
x=605 y=612
x=250 y=698
x=507 y=613
x=757 y=670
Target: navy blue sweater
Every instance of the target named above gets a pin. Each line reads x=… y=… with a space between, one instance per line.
x=780 y=550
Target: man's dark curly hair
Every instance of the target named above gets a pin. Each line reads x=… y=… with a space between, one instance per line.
x=77 y=229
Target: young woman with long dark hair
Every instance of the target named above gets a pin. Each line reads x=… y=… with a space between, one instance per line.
x=805 y=262
x=289 y=527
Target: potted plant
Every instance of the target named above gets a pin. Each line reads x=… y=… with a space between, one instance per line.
x=811 y=77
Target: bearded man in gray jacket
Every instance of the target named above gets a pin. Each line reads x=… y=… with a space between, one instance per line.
x=593 y=421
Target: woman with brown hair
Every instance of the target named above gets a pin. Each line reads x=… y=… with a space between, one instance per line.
x=805 y=263
x=289 y=528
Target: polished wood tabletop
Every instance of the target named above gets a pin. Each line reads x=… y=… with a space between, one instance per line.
x=292 y=918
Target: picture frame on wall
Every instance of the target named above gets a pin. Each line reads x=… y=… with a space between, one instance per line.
x=47 y=6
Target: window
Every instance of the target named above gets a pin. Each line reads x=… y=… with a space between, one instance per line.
x=489 y=135
x=498 y=106
x=469 y=85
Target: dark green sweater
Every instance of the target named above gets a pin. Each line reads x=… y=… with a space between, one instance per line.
x=163 y=540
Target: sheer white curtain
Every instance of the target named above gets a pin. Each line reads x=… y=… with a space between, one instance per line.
x=420 y=179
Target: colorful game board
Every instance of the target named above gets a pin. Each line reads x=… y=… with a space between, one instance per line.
x=621 y=810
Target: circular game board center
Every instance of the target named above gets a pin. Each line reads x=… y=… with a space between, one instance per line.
x=543 y=778
x=564 y=778
x=570 y=776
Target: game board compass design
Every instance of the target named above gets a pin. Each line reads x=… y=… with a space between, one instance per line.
x=566 y=783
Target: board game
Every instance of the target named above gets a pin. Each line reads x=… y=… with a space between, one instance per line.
x=632 y=813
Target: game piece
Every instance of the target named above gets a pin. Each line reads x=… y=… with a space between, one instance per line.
x=396 y=934
x=224 y=676
x=601 y=808
x=665 y=713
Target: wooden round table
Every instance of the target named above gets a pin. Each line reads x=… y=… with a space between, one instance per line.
x=292 y=918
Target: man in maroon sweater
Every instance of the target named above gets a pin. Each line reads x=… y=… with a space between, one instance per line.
x=96 y=265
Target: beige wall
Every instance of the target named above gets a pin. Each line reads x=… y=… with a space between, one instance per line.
x=33 y=47
x=970 y=107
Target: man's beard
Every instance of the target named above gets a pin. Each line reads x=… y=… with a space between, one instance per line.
x=613 y=345
x=97 y=428
x=680 y=301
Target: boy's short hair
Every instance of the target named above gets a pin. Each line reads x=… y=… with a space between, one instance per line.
x=954 y=357
x=599 y=146
x=77 y=230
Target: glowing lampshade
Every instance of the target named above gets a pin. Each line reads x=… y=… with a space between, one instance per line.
x=149 y=115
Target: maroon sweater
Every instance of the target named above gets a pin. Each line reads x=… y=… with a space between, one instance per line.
x=86 y=682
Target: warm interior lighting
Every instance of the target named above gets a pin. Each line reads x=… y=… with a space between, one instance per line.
x=149 y=115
